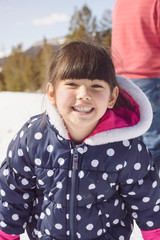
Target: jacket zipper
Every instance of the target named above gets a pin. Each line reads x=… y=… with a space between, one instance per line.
x=72 y=213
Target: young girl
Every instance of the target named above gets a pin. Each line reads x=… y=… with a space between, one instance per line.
x=78 y=171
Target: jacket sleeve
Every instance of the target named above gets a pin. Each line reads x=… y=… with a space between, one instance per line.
x=5 y=236
x=17 y=184
x=151 y=234
x=140 y=187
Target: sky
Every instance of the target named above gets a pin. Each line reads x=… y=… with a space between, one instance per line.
x=30 y=21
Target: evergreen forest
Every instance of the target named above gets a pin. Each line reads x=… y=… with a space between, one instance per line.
x=20 y=72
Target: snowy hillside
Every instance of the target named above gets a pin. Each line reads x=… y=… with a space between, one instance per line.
x=16 y=109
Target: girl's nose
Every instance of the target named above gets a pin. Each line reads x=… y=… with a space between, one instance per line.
x=83 y=93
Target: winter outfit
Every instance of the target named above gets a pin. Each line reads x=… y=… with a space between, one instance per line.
x=136 y=49
x=57 y=190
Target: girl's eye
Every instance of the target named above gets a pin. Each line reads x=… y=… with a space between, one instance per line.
x=72 y=84
x=96 y=86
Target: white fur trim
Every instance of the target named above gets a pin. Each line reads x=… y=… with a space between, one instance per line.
x=55 y=119
x=114 y=135
x=125 y=133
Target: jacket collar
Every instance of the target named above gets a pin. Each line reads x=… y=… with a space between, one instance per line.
x=123 y=132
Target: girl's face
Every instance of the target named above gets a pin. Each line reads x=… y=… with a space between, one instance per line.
x=82 y=102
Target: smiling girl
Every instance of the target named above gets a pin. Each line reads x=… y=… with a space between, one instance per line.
x=79 y=171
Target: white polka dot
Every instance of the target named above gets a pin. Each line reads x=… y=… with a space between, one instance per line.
x=119 y=166
x=137 y=166
x=81 y=174
x=20 y=152
x=154 y=184
x=132 y=193
x=134 y=207
x=80 y=150
x=146 y=199
x=99 y=213
x=5 y=204
x=40 y=182
x=79 y=197
x=100 y=196
x=139 y=147
x=25 y=225
x=47 y=231
x=25 y=196
x=24 y=181
x=78 y=217
x=3 y=224
x=105 y=176
x=116 y=221
x=27 y=169
x=116 y=202
x=94 y=163
x=91 y=186
x=158 y=201
x=108 y=224
x=34 y=119
x=78 y=235
x=5 y=172
x=134 y=215
x=100 y=231
x=89 y=206
x=38 y=136
x=21 y=134
x=39 y=234
x=58 y=226
x=58 y=205
x=156 y=208
x=150 y=224
x=89 y=227
x=59 y=185
x=50 y=173
x=126 y=143
x=125 y=164
x=15 y=217
x=48 y=211
x=67 y=196
x=12 y=187
x=42 y=216
x=38 y=161
x=10 y=154
x=61 y=161
x=121 y=238
x=140 y=182
x=70 y=174
x=50 y=148
x=67 y=216
x=2 y=192
x=110 y=152
x=129 y=181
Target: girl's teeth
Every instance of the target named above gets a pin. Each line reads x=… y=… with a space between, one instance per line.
x=82 y=109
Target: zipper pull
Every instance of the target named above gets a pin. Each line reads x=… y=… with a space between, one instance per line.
x=75 y=160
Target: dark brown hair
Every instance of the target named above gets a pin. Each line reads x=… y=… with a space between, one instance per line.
x=83 y=60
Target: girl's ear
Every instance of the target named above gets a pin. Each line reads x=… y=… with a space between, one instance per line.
x=113 y=97
x=50 y=94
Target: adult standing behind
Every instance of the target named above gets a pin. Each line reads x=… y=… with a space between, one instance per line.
x=136 y=41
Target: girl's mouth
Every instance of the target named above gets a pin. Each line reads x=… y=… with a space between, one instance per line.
x=82 y=109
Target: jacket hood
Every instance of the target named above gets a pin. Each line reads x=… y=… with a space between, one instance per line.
x=115 y=134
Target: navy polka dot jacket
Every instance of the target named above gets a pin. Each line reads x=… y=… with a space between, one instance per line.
x=57 y=190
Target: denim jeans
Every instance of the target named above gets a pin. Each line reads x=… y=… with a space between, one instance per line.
x=151 y=87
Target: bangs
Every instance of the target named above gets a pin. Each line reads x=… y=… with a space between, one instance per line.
x=83 y=62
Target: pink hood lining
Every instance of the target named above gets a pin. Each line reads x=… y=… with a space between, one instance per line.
x=118 y=118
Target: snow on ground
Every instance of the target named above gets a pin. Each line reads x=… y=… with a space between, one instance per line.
x=16 y=109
